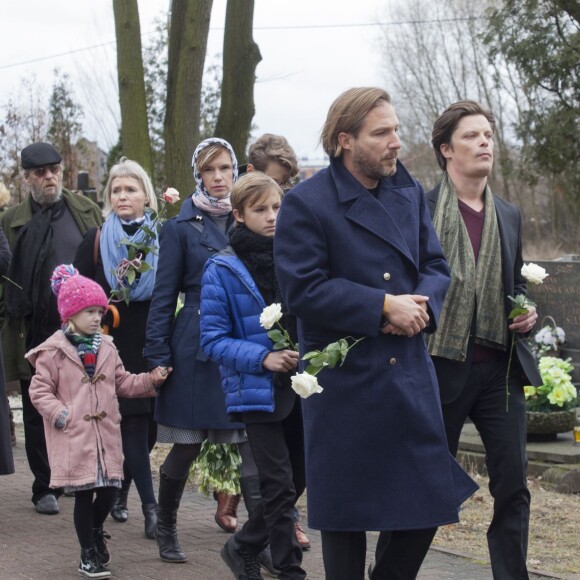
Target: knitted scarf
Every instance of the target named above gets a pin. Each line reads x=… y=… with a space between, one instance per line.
x=30 y=295
x=87 y=347
x=474 y=287
x=257 y=254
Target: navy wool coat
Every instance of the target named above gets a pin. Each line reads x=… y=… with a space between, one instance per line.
x=192 y=397
x=376 y=451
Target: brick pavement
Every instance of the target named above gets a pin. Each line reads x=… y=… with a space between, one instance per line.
x=37 y=547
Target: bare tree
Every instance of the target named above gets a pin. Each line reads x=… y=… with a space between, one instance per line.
x=188 y=32
x=65 y=125
x=134 y=130
x=24 y=121
x=440 y=58
x=241 y=57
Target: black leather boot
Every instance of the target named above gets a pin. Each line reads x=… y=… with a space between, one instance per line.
x=150 y=513
x=250 y=487
x=119 y=511
x=170 y=492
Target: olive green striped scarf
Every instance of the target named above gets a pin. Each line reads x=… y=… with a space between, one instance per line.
x=472 y=285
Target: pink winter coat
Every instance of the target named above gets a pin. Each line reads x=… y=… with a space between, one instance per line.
x=61 y=383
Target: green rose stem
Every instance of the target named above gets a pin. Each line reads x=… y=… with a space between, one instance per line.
x=12 y=282
x=507 y=376
x=533 y=274
x=522 y=305
x=330 y=355
x=281 y=338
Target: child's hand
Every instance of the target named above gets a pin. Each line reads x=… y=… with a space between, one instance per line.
x=159 y=375
x=60 y=422
x=281 y=361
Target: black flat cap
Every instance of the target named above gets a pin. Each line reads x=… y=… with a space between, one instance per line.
x=38 y=155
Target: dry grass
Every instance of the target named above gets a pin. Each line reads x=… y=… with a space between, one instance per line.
x=554 y=544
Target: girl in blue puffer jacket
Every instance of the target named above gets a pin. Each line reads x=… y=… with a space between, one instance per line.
x=237 y=285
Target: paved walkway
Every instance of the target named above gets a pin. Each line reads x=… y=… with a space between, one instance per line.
x=37 y=547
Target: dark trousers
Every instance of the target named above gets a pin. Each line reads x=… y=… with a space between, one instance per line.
x=280 y=461
x=503 y=433
x=138 y=433
x=398 y=554
x=35 y=445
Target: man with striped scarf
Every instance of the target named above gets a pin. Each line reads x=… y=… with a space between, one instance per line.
x=481 y=237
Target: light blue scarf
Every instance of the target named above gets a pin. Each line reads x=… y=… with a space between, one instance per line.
x=112 y=252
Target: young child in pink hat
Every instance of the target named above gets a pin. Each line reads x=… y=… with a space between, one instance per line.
x=78 y=377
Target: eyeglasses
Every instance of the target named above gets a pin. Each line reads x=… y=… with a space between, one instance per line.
x=41 y=171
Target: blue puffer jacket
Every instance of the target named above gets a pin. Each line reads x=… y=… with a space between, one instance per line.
x=231 y=334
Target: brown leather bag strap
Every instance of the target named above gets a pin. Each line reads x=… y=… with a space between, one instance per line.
x=96 y=247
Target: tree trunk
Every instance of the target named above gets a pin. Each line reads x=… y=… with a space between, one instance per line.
x=241 y=57
x=134 y=130
x=188 y=32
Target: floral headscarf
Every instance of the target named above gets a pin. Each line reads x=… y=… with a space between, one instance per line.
x=201 y=198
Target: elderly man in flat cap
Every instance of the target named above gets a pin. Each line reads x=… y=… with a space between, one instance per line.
x=43 y=231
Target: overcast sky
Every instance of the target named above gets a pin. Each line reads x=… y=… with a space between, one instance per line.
x=312 y=50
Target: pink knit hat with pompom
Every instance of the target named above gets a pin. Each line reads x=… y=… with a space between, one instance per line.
x=75 y=292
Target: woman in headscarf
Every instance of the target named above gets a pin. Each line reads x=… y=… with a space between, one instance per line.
x=191 y=408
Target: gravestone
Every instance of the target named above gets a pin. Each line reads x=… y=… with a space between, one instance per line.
x=559 y=297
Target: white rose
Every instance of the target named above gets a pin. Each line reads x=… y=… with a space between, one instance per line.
x=533 y=273
x=305 y=384
x=270 y=315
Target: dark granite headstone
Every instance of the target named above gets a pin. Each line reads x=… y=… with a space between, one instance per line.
x=559 y=297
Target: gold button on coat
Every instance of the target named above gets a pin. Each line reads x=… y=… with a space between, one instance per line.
x=386 y=276
x=393 y=361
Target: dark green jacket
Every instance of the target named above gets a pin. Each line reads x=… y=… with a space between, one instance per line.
x=86 y=215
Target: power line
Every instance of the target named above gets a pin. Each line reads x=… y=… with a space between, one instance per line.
x=291 y=27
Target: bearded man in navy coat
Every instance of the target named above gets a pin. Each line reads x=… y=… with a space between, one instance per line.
x=356 y=255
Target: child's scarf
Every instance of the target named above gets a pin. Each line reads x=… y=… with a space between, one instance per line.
x=87 y=347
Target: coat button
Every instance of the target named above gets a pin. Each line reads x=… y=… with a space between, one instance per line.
x=393 y=361
x=386 y=276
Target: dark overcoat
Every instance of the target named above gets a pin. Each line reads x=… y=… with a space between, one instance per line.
x=191 y=397
x=509 y=221
x=376 y=450
x=6 y=458
x=86 y=215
